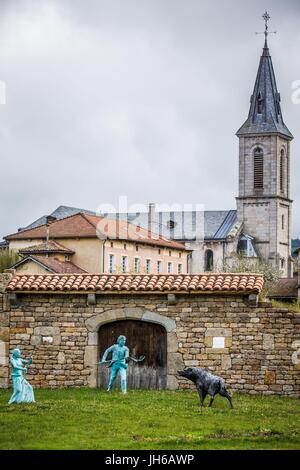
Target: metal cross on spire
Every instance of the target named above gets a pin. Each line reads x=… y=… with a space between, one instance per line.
x=267 y=18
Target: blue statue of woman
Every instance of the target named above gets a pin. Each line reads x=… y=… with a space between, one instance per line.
x=118 y=363
x=22 y=390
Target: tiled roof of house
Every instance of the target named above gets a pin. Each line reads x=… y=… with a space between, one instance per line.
x=146 y=283
x=285 y=288
x=52 y=264
x=48 y=247
x=92 y=226
x=186 y=224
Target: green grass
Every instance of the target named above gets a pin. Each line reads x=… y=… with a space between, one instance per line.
x=94 y=419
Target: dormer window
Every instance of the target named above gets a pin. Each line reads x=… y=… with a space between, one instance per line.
x=171 y=224
x=245 y=247
x=278 y=103
x=259 y=104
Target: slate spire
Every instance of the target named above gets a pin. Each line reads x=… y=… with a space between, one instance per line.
x=265 y=116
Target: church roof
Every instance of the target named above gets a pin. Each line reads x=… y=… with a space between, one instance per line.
x=265 y=116
x=185 y=225
x=178 y=225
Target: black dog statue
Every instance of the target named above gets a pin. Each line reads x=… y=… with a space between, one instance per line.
x=206 y=384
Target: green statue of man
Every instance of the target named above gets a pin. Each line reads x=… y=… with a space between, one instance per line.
x=118 y=364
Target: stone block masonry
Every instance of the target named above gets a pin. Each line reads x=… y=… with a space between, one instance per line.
x=255 y=347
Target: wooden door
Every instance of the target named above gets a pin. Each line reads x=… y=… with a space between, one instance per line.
x=142 y=338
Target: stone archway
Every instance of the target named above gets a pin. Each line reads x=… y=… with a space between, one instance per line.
x=174 y=358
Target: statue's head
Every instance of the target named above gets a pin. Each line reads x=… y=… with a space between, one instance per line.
x=16 y=353
x=121 y=340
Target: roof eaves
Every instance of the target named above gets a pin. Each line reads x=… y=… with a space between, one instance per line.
x=32 y=258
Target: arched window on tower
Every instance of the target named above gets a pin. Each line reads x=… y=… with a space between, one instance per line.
x=209 y=260
x=282 y=170
x=258 y=169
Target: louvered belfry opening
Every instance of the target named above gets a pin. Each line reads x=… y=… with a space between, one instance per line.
x=258 y=169
x=282 y=170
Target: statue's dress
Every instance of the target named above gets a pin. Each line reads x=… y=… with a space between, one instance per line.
x=22 y=390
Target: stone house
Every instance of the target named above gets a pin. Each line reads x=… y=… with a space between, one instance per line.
x=215 y=321
x=89 y=243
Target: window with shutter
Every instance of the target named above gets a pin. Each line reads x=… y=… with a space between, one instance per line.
x=258 y=169
x=282 y=171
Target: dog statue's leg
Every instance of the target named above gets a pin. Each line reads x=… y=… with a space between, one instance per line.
x=229 y=399
x=211 y=400
x=202 y=396
x=225 y=394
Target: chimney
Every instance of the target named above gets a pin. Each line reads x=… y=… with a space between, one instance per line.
x=151 y=217
x=50 y=219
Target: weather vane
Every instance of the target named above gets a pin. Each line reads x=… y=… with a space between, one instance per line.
x=267 y=18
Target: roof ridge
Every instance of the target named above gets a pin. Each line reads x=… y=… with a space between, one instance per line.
x=40 y=258
x=43 y=225
x=236 y=283
x=85 y=216
x=46 y=242
x=149 y=233
x=208 y=273
x=34 y=258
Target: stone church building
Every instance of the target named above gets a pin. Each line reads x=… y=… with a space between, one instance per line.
x=260 y=226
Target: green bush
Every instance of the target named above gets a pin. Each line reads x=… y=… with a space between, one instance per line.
x=7 y=259
x=240 y=264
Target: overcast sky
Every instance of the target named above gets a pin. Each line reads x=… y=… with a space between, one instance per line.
x=134 y=97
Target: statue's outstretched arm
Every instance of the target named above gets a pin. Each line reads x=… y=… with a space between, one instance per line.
x=28 y=362
x=106 y=353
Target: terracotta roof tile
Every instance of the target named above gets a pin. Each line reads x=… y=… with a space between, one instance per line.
x=92 y=226
x=53 y=264
x=147 y=283
x=48 y=247
x=286 y=288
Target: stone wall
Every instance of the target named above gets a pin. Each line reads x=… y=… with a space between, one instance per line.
x=4 y=331
x=256 y=348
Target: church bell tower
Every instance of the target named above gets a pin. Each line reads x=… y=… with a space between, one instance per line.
x=263 y=203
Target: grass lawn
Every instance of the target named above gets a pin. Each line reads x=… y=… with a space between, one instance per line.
x=94 y=419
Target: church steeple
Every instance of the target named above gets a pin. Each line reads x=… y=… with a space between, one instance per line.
x=264 y=204
x=265 y=116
